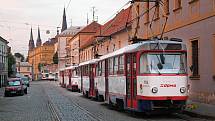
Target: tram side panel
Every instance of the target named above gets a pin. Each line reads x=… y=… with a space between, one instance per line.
x=100 y=86
x=86 y=85
x=117 y=88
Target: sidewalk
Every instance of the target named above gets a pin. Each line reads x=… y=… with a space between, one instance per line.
x=201 y=109
x=1 y=92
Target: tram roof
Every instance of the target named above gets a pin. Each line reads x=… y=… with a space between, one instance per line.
x=70 y=67
x=89 y=62
x=137 y=46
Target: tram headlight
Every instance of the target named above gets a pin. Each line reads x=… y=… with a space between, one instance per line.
x=182 y=89
x=154 y=90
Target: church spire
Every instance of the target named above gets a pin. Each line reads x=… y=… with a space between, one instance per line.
x=39 y=41
x=31 y=41
x=64 y=24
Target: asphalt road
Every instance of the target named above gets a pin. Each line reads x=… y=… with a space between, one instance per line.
x=47 y=101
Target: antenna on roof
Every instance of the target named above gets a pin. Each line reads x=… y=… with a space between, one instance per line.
x=94 y=12
x=87 y=19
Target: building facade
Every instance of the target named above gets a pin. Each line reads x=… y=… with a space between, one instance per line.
x=39 y=57
x=3 y=61
x=24 y=68
x=110 y=37
x=63 y=45
x=82 y=37
x=194 y=22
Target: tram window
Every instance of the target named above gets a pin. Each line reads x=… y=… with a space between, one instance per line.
x=121 y=65
x=99 y=69
x=134 y=64
x=103 y=68
x=135 y=87
x=144 y=64
x=115 y=65
x=128 y=65
x=128 y=88
x=111 y=66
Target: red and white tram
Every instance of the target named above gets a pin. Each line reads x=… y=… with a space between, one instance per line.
x=62 y=78
x=87 y=77
x=145 y=76
x=69 y=79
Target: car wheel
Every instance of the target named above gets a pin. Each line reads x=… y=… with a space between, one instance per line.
x=26 y=91
x=22 y=92
x=6 y=94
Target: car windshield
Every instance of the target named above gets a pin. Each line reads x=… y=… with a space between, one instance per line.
x=163 y=63
x=25 y=79
x=14 y=83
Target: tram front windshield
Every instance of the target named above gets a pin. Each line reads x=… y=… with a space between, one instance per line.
x=163 y=63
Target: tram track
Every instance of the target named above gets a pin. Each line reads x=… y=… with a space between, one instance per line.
x=95 y=117
x=98 y=116
x=51 y=106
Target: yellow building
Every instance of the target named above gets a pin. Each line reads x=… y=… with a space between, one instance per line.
x=40 y=55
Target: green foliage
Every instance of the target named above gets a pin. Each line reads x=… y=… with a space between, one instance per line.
x=19 y=55
x=11 y=63
x=55 y=58
x=40 y=65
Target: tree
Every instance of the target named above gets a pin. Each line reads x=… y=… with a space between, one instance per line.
x=19 y=55
x=11 y=63
x=40 y=65
x=55 y=58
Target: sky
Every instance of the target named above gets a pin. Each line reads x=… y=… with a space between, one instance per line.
x=18 y=16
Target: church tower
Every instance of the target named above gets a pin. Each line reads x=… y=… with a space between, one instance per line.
x=39 y=41
x=31 y=42
x=64 y=24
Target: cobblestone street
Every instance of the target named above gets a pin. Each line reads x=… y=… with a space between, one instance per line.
x=46 y=101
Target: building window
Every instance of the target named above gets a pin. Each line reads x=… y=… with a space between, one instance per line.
x=178 y=4
x=146 y=6
x=28 y=68
x=194 y=8
x=213 y=52
x=195 y=58
x=213 y=4
x=166 y=7
x=157 y=12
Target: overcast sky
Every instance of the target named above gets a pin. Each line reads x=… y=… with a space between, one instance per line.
x=17 y=17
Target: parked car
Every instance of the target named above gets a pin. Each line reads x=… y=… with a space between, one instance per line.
x=26 y=81
x=15 y=86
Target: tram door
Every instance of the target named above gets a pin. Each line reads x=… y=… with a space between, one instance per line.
x=91 y=75
x=105 y=63
x=70 y=76
x=131 y=80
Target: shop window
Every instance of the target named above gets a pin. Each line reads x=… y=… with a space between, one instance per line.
x=195 y=58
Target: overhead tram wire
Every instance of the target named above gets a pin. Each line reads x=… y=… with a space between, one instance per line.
x=127 y=3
